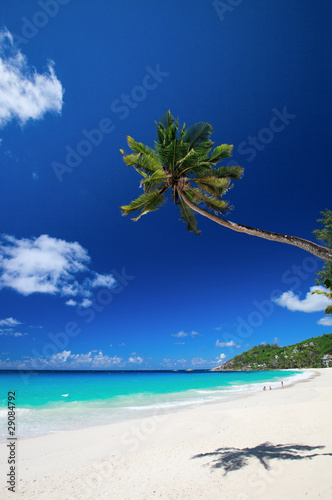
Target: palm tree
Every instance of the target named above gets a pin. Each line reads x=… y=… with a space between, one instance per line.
x=184 y=162
x=328 y=293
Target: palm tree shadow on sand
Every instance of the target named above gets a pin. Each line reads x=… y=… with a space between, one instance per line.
x=232 y=459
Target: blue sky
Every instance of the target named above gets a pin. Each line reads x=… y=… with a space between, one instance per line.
x=83 y=287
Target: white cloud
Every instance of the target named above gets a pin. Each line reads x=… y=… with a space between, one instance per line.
x=231 y=343
x=193 y=334
x=218 y=328
x=135 y=359
x=86 y=303
x=93 y=360
x=179 y=343
x=183 y=334
x=11 y=332
x=49 y=265
x=67 y=360
x=180 y=334
x=326 y=321
x=10 y=325
x=103 y=280
x=197 y=361
x=71 y=302
x=221 y=357
x=24 y=93
x=311 y=303
x=61 y=356
x=43 y=264
x=9 y=322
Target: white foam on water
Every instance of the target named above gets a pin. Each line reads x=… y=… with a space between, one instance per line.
x=18 y=411
x=71 y=415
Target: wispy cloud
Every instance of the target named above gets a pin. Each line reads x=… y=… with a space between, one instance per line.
x=135 y=359
x=311 y=303
x=230 y=343
x=8 y=326
x=66 y=360
x=198 y=361
x=194 y=362
x=183 y=334
x=11 y=332
x=9 y=322
x=179 y=335
x=24 y=93
x=50 y=266
x=93 y=360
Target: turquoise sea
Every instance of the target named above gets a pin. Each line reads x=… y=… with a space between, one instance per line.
x=49 y=402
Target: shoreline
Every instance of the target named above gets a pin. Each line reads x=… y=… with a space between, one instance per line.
x=172 y=404
x=153 y=456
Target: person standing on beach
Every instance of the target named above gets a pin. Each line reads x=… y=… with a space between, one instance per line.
x=282 y=384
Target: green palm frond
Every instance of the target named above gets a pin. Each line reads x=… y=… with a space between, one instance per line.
x=220 y=152
x=167 y=121
x=140 y=148
x=200 y=168
x=188 y=216
x=155 y=180
x=182 y=132
x=204 y=148
x=189 y=158
x=172 y=154
x=147 y=202
x=167 y=155
x=198 y=133
x=328 y=310
x=232 y=172
x=167 y=129
x=218 y=206
x=147 y=164
x=213 y=185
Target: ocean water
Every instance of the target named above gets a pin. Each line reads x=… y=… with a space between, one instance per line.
x=50 y=402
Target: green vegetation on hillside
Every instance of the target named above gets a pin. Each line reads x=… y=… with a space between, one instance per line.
x=311 y=353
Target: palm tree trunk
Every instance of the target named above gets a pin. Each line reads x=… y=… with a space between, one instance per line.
x=317 y=250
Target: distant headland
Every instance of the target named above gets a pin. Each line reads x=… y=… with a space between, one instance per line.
x=312 y=353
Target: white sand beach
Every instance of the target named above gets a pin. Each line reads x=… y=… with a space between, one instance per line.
x=269 y=445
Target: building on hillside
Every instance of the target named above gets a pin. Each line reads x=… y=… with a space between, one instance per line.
x=327 y=360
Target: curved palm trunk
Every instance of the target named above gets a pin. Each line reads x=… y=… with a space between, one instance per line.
x=317 y=250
